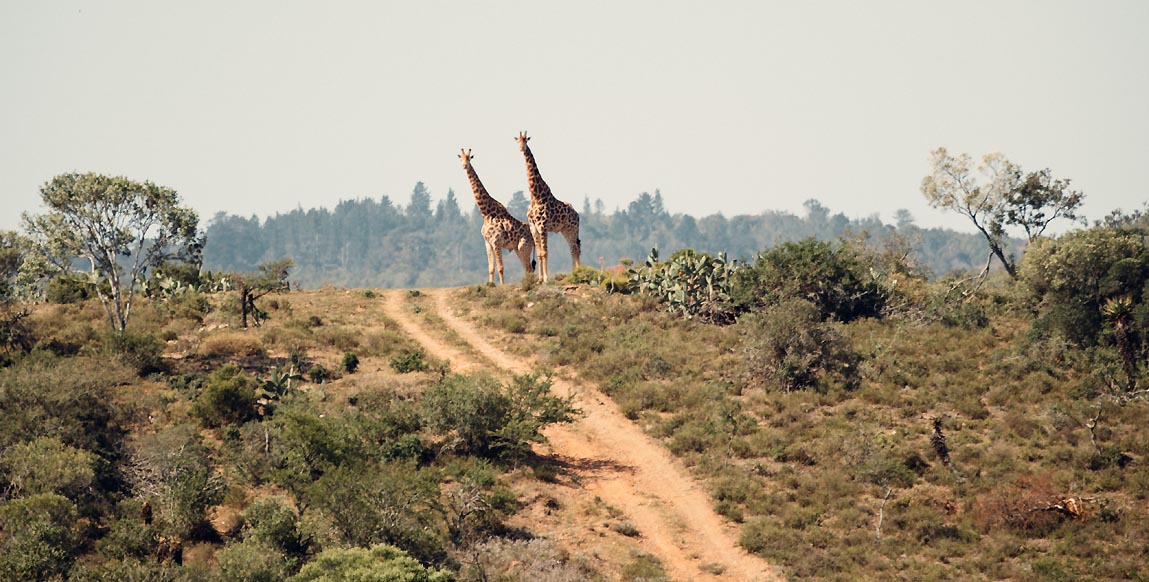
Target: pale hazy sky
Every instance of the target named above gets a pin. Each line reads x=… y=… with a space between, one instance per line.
x=732 y=107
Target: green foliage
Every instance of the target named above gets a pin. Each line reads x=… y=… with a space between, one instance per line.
x=100 y=219
x=392 y=503
x=490 y=419
x=834 y=277
x=278 y=383
x=227 y=397
x=788 y=345
x=37 y=537
x=272 y=523
x=350 y=362
x=412 y=361
x=46 y=465
x=65 y=399
x=68 y=289
x=1005 y=197
x=691 y=284
x=380 y=563
x=252 y=561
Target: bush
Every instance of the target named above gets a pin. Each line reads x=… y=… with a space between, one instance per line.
x=272 y=523
x=46 y=465
x=493 y=420
x=381 y=562
x=37 y=537
x=67 y=289
x=142 y=352
x=790 y=346
x=252 y=561
x=319 y=374
x=834 y=277
x=409 y=362
x=228 y=397
x=350 y=362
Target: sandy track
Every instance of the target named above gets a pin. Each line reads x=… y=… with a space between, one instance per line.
x=621 y=464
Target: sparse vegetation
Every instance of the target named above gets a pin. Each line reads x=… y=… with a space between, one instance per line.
x=995 y=433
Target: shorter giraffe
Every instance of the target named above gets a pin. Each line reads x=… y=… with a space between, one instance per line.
x=501 y=230
x=547 y=213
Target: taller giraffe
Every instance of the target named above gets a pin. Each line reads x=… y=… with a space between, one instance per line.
x=501 y=230
x=547 y=213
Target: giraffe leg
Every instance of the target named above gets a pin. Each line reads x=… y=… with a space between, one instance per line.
x=541 y=252
x=499 y=263
x=575 y=244
x=490 y=262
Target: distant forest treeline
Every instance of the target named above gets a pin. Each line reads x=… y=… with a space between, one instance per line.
x=377 y=243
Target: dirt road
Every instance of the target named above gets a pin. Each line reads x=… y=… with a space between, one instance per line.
x=671 y=511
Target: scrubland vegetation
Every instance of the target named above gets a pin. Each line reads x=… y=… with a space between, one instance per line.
x=862 y=422
x=854 y=417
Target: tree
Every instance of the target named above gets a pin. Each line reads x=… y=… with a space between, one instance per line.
x=120 y=227
x=519 y=205
x=12 y=249
x=268 y=277
x=1004 y=196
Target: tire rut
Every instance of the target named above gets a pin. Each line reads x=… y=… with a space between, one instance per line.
x=630 y=471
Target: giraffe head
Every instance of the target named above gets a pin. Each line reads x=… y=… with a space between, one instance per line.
x=466 y=156
x=522 y=139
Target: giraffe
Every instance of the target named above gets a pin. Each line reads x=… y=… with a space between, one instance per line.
x=547 y=213
x=501 y=230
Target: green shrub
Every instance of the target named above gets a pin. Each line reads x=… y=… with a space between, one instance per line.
x=391 y=503
x=790 y=346
x=319 y=374
x=350 y=362
x=491 y=419
x=382 y=562
x=46 y=465
x=228 y=397
x=409 y=362
x=68 y=289
x=37 y=537
x=272 y=523
x=834 y=277
x=252 y=561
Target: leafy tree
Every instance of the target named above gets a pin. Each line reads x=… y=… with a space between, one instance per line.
x=381 y=563
x=1003 y=196
x=104 y=220
x=12 y=250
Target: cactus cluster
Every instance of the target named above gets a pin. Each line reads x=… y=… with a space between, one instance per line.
x=692 y=284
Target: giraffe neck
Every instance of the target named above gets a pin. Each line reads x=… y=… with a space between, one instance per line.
x=539 y=190
x=488 y=206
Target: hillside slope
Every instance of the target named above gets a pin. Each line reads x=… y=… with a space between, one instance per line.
x=611 y=459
